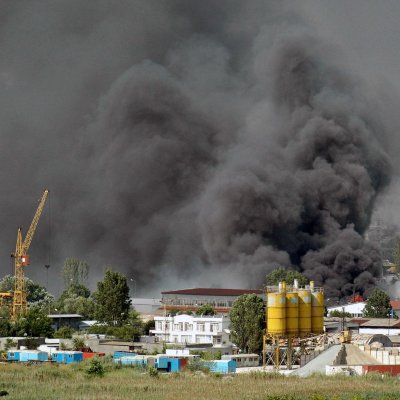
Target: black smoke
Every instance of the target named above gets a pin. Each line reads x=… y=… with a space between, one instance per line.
x=193 y=142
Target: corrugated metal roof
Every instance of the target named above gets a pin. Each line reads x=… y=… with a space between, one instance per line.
x=215 y=292
x=65 y=316
x=381 y=323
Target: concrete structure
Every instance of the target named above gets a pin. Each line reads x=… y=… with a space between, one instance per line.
x=192 y=299
x=186 y=329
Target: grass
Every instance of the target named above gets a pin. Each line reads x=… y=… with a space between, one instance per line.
x=73 y=382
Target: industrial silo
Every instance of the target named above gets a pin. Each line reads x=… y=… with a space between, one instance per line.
x=276 y=312
x=317 y=310
x=292 y=313
x=305 y=315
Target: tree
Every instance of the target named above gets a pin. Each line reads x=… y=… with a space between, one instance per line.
x=339 y=314
x=247 y=323
x=33 y=323
x=75 y=272
x=65 y=332
x=378 y=305
x=112 y=300
x=37 y=295
x=205 y=309
x=283 y=274
x=76 y=300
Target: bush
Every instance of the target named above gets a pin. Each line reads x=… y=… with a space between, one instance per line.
x=95 y=368
x=153 y=372
x=78 y=343
x=64 y=333
x=197 y=364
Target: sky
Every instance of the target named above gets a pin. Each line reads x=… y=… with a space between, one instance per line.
x=192 y=144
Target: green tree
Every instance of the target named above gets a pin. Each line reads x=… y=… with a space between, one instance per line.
x=247 y=322
x=5 y=328
x=284 y=274
x=76 y=300
x=37 y=295
x=150 y=324
x=33 y=323
x=205 y=309
x=65 y=332
x=339 y=314
x=378 y=305
x=112 y=300
x=75 y=272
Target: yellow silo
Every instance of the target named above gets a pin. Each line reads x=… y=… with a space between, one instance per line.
x=276 y=312
x=317 y=312
x=292 y=313
x=304 y=312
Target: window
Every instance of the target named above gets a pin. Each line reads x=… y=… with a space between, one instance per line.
x=214 y=327
x=201 y=327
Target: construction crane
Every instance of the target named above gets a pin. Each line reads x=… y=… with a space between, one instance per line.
x=22 y=260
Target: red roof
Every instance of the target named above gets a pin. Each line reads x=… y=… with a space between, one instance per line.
x=395 y=304
x=215 y=292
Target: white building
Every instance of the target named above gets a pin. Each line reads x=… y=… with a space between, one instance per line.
x=355 y=309
x=186 y=329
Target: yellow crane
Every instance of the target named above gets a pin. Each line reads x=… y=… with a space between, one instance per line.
x=22 y=260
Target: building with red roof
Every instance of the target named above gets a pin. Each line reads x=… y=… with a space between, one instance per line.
x=192 y=299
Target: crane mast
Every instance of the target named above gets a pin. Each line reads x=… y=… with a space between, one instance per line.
x=22 y=260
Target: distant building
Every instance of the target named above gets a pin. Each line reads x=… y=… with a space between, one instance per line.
x=187 y=329
x=384 y=326
x=355 y=309
x=146 y=306
x=191 y=299
x=60 y=320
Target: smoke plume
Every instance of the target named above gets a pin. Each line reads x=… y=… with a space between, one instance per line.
x=195 y=143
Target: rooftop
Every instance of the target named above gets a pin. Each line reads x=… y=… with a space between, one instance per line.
x=382 y=322
x=215 y=292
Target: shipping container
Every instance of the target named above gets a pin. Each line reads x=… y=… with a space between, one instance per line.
x=67 y=357
x=221 y=366
x=383 y=369
x=13 y=355
x=89 y=354
x=168 y=364
x=33 y=355
x=119 y=354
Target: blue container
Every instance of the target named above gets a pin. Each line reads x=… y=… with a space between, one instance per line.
x=168 y=364
x=132 y=360
x=67 y=357
x=221 y=366
x=119 y=354
x=13 y=355
x=33 y=355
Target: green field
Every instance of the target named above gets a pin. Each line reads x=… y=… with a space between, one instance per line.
x=72 y=382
